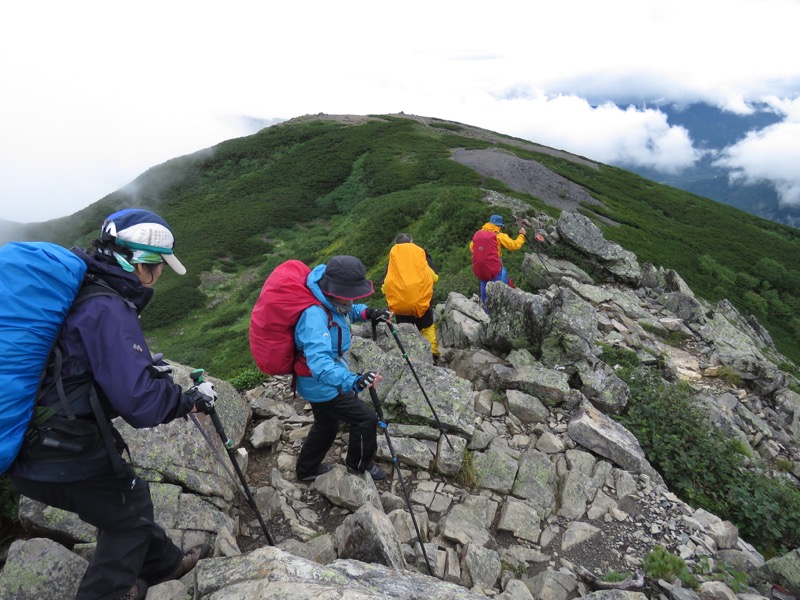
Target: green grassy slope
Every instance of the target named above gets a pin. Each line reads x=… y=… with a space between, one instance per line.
x=313 y=189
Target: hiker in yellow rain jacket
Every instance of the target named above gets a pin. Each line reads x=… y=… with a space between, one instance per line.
x=486 y=247
x=408 y=287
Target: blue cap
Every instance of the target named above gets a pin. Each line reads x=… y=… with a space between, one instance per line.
x=496 y=220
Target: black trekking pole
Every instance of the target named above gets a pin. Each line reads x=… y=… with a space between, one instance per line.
x=388 y=323
x=197 y=377
x=382 y=424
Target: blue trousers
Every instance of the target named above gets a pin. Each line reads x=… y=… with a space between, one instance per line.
x=501 y=276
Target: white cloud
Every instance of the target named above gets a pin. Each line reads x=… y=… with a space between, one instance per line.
x=771 y=154
x=607 y=133
x=94 y=92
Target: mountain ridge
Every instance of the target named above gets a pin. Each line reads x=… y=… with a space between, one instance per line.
x=321 y=184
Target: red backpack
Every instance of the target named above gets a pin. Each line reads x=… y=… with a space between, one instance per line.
x=486 y=263
x=283 y=298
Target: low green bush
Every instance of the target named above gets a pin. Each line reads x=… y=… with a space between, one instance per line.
x=467 y=476
x=661 y=564
x=247 y=379
x=705 y=467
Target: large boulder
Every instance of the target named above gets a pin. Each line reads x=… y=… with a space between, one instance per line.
x=434 y=393
x=41 y=569
x=595 y=431
x=579 y=232
x=539 y=272
x=463 y=323
x=784 y=570
x=571 y=332
x=550 y=386
x=517 y=318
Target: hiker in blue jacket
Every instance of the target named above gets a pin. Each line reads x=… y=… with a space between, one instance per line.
x=332 y=389
x=106 y=362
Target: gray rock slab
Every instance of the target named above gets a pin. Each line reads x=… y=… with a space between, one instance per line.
x=520 y=518
x=495 y=470
x=368 y=535
x=270 y=572
x=550 y=386
x=347 y=490
x=595 y=431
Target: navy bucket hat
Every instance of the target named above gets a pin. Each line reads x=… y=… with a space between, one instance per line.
x=346 y=278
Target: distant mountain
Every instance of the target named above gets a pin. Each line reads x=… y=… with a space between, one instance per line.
x=713 y=129
x=7 y=229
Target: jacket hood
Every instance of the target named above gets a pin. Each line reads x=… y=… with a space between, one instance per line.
x=491 y=227
x=312 y=282
x=106 y=269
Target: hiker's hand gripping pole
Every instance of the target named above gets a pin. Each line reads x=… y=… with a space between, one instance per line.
x=382 y=424
x=211 y=411
x=393 y=331
x=536 y=237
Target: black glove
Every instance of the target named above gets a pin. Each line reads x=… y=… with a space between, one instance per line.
x=161 y=371
x=365 y=380
x=203 y=396
x=373 y=314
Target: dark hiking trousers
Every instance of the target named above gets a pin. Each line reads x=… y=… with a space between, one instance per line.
x=363 y=422
x=423 y=322
x=129 y=544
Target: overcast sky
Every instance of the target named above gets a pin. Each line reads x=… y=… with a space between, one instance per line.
x=95 y=93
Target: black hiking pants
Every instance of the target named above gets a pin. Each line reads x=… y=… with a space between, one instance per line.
x=129 y=544
x=363 y=444
x=423 y=322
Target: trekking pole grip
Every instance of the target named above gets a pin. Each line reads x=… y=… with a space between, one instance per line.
x=376 y=403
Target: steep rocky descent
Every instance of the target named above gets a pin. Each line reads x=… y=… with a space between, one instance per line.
x=541 y=487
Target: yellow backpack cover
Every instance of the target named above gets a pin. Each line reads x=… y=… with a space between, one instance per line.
x=409 y=280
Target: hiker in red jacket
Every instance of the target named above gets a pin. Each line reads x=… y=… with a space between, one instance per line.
x=487 y=250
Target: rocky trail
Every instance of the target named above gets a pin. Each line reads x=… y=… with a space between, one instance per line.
x=542 y=494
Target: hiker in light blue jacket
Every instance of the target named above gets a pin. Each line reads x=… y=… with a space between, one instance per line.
x=322 y=335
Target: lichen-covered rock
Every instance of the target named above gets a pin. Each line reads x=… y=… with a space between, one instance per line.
x=273 y=573
x=517 y=318
x=368 y=535
x=41 y=569
x=578 y=231
x=784 y=570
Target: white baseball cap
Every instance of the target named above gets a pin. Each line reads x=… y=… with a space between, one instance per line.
x=143 y=230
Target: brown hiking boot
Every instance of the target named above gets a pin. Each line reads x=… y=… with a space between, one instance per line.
x=190 y=559
x=137 y=592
